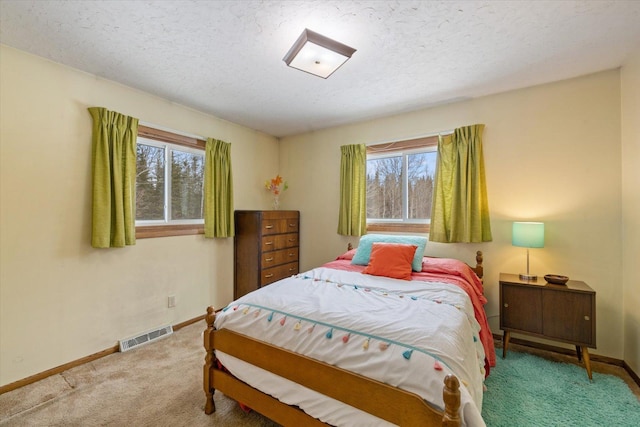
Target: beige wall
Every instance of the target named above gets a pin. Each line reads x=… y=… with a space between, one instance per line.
x=630 y=84
x=552 y=154
x=60 y=299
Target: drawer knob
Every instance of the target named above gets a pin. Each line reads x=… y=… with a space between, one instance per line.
x=268 y=243
x=291 y=269
x=268 y=276
x=292 y=240
x=290 y=254
x=506 y=305
x=268 y=259
x=586 y=317
x=292 y=225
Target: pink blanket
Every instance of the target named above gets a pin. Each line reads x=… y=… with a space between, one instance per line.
x=450 y=271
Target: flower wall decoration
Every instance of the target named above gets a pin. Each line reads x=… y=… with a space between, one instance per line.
x=276 y=186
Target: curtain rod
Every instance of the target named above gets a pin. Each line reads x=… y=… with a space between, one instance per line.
x=166 y=129
x=444 y=132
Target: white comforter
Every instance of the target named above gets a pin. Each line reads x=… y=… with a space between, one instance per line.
x=408 y=334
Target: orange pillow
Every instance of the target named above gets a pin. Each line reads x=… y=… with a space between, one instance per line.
x=391 y=260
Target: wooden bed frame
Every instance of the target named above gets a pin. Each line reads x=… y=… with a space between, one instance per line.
x=384 y=401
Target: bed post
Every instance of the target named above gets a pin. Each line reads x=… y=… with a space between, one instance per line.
x=479 y=268
x=451 y=396
x=209 y=362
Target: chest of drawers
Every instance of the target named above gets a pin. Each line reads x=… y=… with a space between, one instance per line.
x=266 y=248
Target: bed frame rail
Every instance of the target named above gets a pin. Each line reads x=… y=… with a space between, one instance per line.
x=392 y=404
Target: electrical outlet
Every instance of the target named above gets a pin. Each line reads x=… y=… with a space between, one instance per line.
x=172 y=301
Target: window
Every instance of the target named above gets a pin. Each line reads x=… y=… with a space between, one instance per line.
x=400 y=185
x=169 y=184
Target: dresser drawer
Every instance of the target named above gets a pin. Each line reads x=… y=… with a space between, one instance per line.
x=279 y=241
x=283 y=256
x=270 y=275
x=279 y=226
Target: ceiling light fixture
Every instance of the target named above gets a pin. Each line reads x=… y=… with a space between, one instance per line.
x=316 y=54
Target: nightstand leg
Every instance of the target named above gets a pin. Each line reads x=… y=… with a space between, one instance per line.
x=505 y=343
x=587 y=362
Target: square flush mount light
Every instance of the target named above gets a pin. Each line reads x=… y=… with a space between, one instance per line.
x=316 y=54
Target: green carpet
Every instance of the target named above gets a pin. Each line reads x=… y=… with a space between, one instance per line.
x=525 y=390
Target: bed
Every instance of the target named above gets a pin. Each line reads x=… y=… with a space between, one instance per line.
x=339 y=345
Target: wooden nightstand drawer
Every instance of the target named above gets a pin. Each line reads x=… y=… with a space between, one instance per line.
x=520 y=308
x=569 y=316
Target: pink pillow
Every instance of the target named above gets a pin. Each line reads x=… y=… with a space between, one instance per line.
x=347 y=255
x=391 y=260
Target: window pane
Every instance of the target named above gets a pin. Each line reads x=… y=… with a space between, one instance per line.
x=150 y=183
x=384 y=188
x=421 y=170
x=186 y=185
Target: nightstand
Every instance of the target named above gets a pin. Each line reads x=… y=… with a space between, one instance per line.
x=565 y=313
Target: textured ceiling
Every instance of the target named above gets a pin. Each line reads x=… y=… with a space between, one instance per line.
x=225 y=57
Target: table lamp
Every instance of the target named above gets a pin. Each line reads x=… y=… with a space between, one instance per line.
x=528 y=235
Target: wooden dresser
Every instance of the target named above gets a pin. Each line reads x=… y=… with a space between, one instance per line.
x=266 y=248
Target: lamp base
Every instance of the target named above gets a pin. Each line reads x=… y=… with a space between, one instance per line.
x=531 y=277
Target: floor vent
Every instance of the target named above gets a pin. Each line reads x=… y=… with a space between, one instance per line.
x=145 y=338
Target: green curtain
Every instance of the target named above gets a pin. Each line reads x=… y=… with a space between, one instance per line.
x=114 y=178
x=218 y=190
x=352 y=219
x=460 y=209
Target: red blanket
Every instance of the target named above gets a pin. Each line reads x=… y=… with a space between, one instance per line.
x=450 y=271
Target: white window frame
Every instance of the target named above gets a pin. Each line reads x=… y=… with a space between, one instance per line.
x=404 y=154
x=418 y=144
x=168 y=148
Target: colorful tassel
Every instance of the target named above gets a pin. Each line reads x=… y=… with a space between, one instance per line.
x=407 y=354
x=329 y=334
x=311 y=328
x=236 y=307
x=414 y=298
x=257 y=313
x=366 y=344
x=297 y=326
x=270 y=318
x=345 y=339
x=437 y=366
x=284 y=319
x=245 y=311
x=383 y=346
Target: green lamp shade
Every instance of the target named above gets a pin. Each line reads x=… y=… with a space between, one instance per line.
x=528 y=234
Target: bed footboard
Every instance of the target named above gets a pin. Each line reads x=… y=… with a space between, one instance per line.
x=392 y=404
